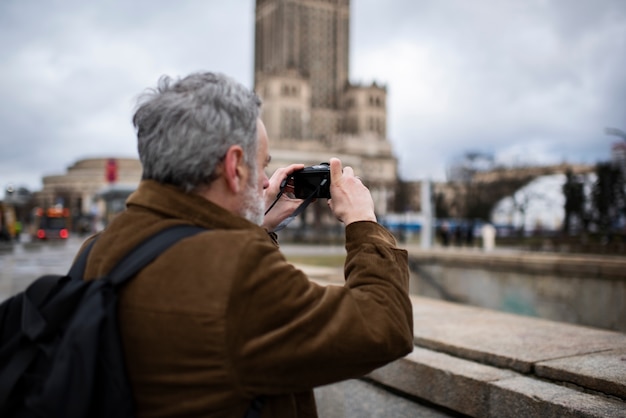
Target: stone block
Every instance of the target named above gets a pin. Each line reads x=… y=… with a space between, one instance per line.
x=357 y=399
x=503 y=340
x=603 y=372
x=526 y=397
x=453 y=383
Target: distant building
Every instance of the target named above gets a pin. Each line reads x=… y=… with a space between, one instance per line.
x=94 y=187
x=311 y=110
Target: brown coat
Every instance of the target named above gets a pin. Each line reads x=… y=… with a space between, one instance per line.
x=222 y=317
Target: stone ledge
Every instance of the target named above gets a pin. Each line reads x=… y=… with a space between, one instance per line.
x=588 y=357
x=527 y=397
x=604 y=371
x=358 y=398
x=484 y=391
x=485 y=363
x=451 y=382
x=569 y=265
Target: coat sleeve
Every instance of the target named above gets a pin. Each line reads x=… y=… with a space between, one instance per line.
x=287 y=334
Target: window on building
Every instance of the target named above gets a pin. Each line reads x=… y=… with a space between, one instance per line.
x=291 y=123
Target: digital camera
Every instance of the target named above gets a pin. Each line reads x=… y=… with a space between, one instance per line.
x=313 y=180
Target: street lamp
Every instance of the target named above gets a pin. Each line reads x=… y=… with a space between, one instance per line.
x=8 y=192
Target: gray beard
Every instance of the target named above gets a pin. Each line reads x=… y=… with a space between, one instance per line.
x=253 y=205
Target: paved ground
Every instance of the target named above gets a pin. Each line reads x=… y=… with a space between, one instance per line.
x=21 y=263
x=24 y=262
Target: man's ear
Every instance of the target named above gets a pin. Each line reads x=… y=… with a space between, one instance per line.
x=234 y=167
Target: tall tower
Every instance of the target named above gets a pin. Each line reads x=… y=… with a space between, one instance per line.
x=310 y=109
x=304 y=43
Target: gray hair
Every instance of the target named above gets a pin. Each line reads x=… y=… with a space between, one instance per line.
x=184 y=128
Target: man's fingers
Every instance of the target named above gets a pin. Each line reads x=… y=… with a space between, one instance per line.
x=286 y=171
x=293 y=167
x=335 y=170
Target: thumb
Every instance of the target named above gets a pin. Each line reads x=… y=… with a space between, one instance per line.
x=335 y=170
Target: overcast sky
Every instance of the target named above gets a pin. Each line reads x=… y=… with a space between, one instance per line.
x=530 y=81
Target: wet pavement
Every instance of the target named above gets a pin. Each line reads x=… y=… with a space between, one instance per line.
x=21 y=263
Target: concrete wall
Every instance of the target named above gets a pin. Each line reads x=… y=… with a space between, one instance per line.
x=584 y=290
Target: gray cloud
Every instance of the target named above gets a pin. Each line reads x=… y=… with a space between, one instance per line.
x=532 y=81
x=71 y=72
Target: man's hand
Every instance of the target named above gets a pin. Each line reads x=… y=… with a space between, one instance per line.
x=351 y=200
x=285 y=205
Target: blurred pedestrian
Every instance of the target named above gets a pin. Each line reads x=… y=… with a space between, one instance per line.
x=444 y=233
x=469 y=234
x=18 y=230
x=458 y=234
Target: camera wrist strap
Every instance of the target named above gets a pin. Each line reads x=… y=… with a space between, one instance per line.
x=296 y=212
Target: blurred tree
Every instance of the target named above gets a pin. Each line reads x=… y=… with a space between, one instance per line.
x=442 y=209
x=482 y=197
x=574 y=206
x=402 y=197
x=479 y=202
x=608 y=197
x=464 y=168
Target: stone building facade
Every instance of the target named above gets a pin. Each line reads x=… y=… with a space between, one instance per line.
x=311 y=110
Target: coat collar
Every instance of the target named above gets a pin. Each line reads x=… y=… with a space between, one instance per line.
x=172 y=202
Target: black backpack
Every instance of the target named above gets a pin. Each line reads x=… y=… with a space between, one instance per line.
x=60 y=349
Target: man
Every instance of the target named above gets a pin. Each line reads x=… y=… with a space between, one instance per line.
x=221 y=318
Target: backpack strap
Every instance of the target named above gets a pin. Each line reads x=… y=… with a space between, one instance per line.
x=256 y=407
x=149 y=250
x=77 y=271
x=40 y=289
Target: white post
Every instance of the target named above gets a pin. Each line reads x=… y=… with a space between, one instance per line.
x=489 y=237
x=426 y=234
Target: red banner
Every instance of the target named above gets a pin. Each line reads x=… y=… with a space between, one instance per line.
x=111 y=170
